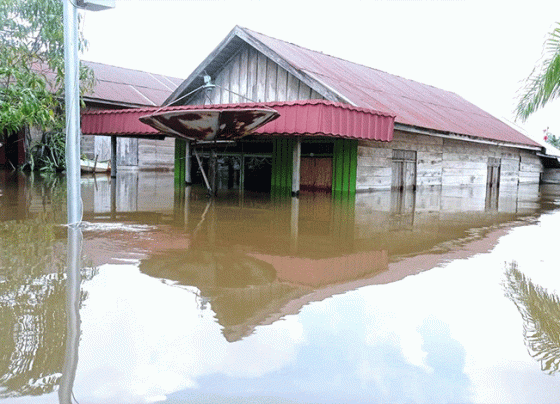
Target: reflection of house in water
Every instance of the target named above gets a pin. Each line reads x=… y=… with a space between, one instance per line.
x=256 y=261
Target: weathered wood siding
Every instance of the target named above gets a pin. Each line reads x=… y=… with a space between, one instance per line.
x=156 y=154
x=250 y=76
x=551 y=176
x=444 y=162
x=131 y=153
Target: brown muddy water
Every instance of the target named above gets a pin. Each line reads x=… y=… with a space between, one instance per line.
x=437 y=296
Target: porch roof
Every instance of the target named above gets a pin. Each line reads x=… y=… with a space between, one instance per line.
x=297 y=118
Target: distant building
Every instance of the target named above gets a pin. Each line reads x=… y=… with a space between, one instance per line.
x=115 y=88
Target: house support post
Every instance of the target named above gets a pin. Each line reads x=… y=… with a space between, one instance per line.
x=345 y=161
x=113 y=156
x=203 y=172
x=282 y=165
x=179 y=169
x=213 y=171
x=296 y=169
x=113 y=198
x=188 y=162
x=242 y=174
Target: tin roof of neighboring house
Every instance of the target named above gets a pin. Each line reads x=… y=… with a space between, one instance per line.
x=299 y=118
x=415 y=105
x=128 y=87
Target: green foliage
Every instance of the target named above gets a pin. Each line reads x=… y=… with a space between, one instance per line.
x=32 y=73
x=543 y=84
x=552 y=139
x=49 y=154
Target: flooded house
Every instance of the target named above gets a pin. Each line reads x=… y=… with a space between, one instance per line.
x=342 y=126
x=114 y=88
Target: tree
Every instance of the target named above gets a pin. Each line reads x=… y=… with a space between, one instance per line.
x=32 y=74
x=543 y=84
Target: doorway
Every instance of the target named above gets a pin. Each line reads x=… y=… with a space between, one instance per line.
x=493 y=176
x=403 y=166
x=316 y=174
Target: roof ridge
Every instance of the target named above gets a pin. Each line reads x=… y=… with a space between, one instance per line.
x=128 y=68
x=141 y=85
x=249 y=31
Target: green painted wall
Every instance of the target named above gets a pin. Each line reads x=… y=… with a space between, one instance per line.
x=282 y=165
x=345 y=163
x=180 y=160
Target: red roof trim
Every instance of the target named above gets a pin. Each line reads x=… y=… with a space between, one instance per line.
x=297 y=118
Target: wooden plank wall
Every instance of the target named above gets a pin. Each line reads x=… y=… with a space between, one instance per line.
x=257 y=79
x=132 y=153
x=446 y=162
x=156 y=154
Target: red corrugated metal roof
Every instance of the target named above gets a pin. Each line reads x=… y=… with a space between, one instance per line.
x=414 y=104
x=307 y=117
x=128 y=86
x=121 y=86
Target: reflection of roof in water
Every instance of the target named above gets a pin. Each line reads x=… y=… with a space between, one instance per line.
x=255 y=274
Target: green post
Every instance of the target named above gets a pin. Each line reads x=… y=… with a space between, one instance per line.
x=180 y=162
x=282 y=161
x=345 y=163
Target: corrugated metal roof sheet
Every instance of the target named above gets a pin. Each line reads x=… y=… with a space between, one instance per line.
x=307 y=117
x=414 y=104
x=123 y=86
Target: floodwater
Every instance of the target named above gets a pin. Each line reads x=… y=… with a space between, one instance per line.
x=437 y=296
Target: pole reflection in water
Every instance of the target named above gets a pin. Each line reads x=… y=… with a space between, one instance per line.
x=73 y=299
x=294 y=225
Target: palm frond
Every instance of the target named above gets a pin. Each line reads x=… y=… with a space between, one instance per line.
x=543 y=84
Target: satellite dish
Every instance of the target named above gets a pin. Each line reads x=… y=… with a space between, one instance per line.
x=210 y=124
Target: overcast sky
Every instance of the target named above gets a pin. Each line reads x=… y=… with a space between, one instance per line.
x=479 y=49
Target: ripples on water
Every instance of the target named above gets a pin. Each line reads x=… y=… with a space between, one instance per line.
x=433 y=296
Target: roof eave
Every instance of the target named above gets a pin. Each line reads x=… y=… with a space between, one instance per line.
x=115 y=103
x=464 y=138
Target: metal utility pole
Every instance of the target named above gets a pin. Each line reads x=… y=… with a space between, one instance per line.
x=74 y=198
x=72 y=100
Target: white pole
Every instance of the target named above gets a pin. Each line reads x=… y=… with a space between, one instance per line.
x=72 y=99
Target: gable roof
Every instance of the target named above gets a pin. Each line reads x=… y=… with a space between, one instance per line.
x=415 y=105
x=127 y=87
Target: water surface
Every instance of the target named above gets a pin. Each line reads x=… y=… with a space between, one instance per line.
x=435 y=296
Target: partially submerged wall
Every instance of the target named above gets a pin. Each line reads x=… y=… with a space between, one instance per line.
x=444 y=162
x=146 y=154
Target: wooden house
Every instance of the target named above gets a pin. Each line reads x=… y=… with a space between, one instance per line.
x=114 y=88
x=117 y=88
x=342 y=127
